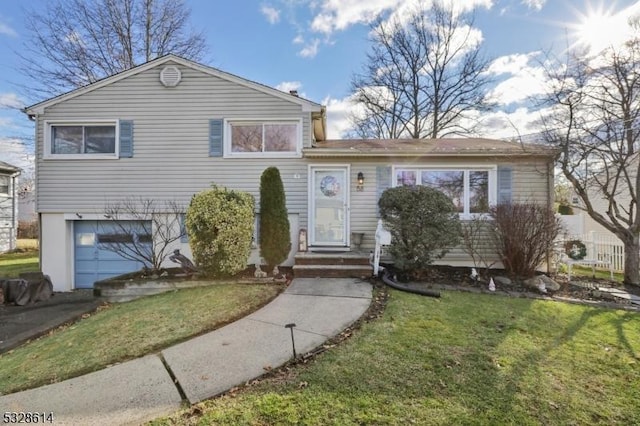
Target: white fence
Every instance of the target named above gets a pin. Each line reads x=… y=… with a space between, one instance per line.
x=602 y=247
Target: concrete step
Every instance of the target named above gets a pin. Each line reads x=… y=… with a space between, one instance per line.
x=331 y=259
x=332 y=271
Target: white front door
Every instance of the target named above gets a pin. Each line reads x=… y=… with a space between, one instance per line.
x=329 y=206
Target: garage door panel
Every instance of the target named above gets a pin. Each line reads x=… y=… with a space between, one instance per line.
x=94 y=260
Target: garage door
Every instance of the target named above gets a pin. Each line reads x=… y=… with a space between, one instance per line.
x=94 y=260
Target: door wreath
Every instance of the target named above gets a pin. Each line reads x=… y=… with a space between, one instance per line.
x=575 y=249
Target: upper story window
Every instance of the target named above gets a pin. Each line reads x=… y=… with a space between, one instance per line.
x=472 y=191
x=81 y=140
x=4 y=184
x=263 y=138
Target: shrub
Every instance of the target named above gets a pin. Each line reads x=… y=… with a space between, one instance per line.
x=523 y=234
x=476 y=242
x=565 y=209
x=423 y=223
x=275 y=239
x=219 y=223
x=28 y=229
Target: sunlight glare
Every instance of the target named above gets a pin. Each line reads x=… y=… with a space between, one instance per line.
x=600 y=29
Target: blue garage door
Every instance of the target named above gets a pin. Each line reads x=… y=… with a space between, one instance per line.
x=94 y=260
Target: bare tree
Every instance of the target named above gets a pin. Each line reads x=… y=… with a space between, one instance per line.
x=422 y=77
x=76 y=42
x=143 y=230
x=595 y=123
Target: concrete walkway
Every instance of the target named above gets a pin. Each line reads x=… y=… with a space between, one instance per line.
x=143 y=389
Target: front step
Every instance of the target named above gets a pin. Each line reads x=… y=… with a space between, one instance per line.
x=332 y=271
x=332 y=265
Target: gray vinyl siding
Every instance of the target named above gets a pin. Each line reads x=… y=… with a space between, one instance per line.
x=170 y=144
x=529 y=183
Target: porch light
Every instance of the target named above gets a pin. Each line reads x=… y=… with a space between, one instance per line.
x=360 y=185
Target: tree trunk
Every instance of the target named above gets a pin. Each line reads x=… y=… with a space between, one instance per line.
x=632 y=260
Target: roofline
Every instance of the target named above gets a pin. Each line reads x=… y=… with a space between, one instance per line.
x=328 y=152
x=307 y=105
x=334 y=153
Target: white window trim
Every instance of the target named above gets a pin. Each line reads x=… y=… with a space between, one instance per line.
x=228 y=152
x=9 y=185
x=96 y=156
x=493 y=181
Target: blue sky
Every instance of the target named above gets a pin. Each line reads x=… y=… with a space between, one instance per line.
x=315 y=46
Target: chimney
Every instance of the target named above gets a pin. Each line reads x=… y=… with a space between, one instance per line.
x=293 y=93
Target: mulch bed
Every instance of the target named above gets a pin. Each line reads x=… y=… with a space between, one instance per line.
x=580 y=288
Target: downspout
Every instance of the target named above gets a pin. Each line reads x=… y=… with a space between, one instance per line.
x=13 y=239
x=550 y=200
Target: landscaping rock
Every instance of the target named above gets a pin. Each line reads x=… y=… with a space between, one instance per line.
x=502 y=280
x=549 y=283
x=540 y=282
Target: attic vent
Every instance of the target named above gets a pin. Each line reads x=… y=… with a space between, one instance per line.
x=170 y=76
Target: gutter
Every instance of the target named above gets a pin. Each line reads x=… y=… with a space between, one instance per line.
x=319 y=153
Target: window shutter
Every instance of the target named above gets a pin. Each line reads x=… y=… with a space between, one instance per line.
x=215 y=137
x=126 y=138
x=184 y=238
x=383 y=181
x=504 y=184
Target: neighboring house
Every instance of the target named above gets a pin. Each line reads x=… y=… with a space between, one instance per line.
x=8 y=206
x=171 y=127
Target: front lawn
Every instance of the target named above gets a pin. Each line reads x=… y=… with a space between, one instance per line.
x=128 y=330
x=13 y=264
x=462 y=359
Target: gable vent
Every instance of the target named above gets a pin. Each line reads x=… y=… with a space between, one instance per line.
x=170 y=76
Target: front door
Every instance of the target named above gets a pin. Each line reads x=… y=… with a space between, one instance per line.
x=329 y=207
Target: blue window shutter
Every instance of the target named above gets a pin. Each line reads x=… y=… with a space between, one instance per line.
x=383 y=181
x=215 y=137
x=183 y=230
x=126 y=138
x=504 y=184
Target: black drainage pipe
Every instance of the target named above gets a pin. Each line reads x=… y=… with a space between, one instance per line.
x=388 y=280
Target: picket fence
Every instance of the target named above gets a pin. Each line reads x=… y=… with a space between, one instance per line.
x=602 y=247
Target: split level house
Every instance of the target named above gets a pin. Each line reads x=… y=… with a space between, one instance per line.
x=8 y=206
x=170 y=128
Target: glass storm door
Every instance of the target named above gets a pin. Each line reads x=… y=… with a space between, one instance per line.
x=329 y=206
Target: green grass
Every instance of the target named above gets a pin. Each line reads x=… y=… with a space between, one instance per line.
x=12 y=264
x=128 y=330
x=600 y=273
x=461 y=359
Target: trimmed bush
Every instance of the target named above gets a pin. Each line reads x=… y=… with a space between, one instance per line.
x=219 y=223
x=275 y=239
x=424 y=225
x=523 y=234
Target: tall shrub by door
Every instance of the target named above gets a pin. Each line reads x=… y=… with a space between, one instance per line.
x=275 y=239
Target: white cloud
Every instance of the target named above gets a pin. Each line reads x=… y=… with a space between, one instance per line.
x=298 y=39
x=510 y=64
x=7 y=30
x=16 y=153
x=10 y=100
x=534 y=4
x=338 y=113
x=310 y=50
x=271 y=13
x=337 y=15
x=511 y=125
x=520 y=80
x=288 y=86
